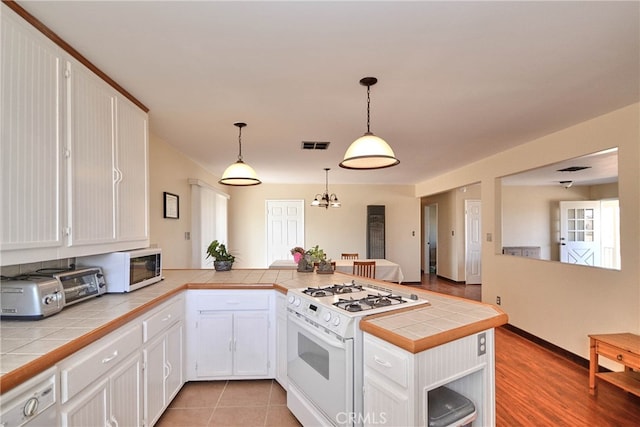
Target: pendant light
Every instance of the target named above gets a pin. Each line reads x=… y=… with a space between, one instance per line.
x=369 y=151
x=240 y=173
x=326 y=199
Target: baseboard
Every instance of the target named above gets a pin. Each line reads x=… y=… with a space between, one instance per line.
x=572 y=357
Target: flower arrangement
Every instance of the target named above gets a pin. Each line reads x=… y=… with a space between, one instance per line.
x=317 y=254
x=298 y=253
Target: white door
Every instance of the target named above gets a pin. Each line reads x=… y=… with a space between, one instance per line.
x=473 y=242
x=580 y=232
x=285 y=228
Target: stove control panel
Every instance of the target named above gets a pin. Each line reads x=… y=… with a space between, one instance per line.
x=322 y=316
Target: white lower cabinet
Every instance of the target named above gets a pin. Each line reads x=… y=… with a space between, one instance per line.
x=389 y=392
x=101 y=384
x=163 y=358
x=281 y=339
x=397 y=383
x=230 y=334
x=115 y=401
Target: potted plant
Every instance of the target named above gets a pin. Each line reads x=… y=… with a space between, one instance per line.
x=222 y=259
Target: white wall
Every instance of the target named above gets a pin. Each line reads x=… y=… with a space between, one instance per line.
x=557 y=302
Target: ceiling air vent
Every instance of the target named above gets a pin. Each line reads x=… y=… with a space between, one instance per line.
x=573 y=168
x=315 y=145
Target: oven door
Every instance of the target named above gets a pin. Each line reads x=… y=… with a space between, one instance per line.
x=320 y=366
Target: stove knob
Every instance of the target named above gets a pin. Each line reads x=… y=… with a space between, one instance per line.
x=291 y=299
x=327 y=316
x=336 y=321
x=297 y=302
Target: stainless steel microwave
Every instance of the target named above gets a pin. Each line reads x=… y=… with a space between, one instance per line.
x=128 y=270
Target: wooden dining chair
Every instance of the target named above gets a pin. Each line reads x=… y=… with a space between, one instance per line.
x=349 y=256
x=365 y=269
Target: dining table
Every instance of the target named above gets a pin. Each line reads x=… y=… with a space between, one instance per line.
x=385 y=270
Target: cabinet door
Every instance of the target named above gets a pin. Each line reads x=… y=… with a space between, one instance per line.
x=126 y=393
x=89 y=409
x=131 y=172
x=383 y=404
x=215 y=344
x=174 y=351
x=154 y=380
x=31 y=142
x=92 y=214
x=251 y=343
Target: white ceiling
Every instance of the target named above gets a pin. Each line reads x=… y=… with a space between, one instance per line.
x=457 y=81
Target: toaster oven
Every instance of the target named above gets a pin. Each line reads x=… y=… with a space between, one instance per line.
x=36 y=297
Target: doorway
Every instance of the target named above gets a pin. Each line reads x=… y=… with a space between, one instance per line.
x=430 y=238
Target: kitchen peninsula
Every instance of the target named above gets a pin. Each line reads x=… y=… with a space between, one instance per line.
x=31 y=347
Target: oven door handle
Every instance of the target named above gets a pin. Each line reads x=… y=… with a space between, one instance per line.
x=325 y=338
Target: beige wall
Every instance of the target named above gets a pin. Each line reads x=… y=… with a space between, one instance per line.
x=451 y=229
x=169 y=171
x=558 y=302
x=334 y=230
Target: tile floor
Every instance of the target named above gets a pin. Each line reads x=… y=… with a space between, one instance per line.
x=229 y=403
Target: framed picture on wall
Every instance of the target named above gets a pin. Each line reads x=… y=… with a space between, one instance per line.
x=171 y=205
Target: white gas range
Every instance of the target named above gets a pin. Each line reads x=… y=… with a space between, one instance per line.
x=324 y=348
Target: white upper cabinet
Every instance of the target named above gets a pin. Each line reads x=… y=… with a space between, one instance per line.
x=91 y=149
x=74 y=155
x=132 y=172
x=31 y=138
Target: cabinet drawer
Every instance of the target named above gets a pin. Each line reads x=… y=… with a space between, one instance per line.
x=387 y=360
x=236 y=300
x=162 y=318
x=615 y=353
x=88 y=365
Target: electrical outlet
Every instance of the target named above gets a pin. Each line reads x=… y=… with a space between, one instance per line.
x=482 y=343
x=489 y=237
x=498 y=300
x=187 y=235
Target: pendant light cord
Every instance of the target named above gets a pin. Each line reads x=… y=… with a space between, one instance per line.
x=368 y=103
x=240 y=143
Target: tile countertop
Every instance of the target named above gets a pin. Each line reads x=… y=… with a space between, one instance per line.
x=29 y=347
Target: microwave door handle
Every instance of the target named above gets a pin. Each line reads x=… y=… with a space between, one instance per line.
x=336 y=343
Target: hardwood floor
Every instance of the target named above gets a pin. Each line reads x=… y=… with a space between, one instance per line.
x=537 y=387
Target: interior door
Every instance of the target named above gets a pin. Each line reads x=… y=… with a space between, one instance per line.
x=580 y=232
x=473 y=242
x=285 y=228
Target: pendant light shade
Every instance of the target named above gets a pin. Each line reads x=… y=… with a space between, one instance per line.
x=240 y=173
x=369 y=151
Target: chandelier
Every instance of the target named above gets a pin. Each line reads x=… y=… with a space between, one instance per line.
x=239 y=173
x=326 y=199
x=369 y=151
